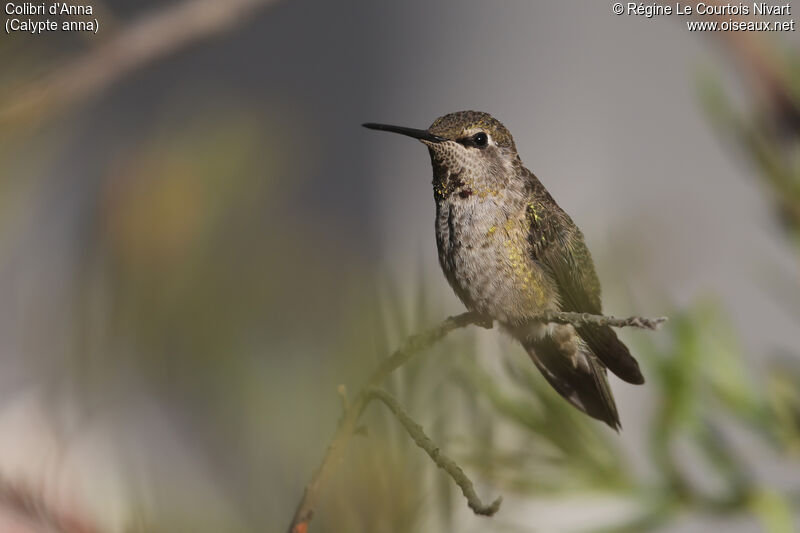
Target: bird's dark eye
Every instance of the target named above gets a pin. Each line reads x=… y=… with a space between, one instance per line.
x=480 y=139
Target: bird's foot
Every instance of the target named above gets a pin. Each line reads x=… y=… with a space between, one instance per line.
x=484 y=321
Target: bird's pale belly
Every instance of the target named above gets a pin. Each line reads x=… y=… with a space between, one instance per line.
x=483 y=253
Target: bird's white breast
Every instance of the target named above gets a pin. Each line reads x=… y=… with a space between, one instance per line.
x=482 y=242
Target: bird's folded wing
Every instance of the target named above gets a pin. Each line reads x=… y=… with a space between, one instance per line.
x=557 y=244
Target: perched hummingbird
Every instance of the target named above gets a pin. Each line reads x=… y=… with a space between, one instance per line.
x=511 y=253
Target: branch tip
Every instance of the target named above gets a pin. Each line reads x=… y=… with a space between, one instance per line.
x=443 y=461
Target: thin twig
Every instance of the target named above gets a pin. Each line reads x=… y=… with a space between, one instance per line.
x=444 y=462
x=583 y=319
x=412 y=346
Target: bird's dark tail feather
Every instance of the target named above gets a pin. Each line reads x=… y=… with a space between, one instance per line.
x=609 y=349
x=585 y=386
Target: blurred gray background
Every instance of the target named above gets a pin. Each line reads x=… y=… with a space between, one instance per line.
x=318 y=214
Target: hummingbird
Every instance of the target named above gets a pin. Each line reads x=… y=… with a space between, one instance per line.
x=511 y=254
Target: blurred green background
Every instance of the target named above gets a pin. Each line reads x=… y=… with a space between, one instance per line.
x=198 y=244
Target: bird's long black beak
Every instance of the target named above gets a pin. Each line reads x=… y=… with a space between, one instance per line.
x=423 y=135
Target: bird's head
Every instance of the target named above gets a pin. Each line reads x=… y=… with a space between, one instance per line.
x=470 y=144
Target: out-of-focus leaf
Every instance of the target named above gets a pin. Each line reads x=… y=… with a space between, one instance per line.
x=773 y=510
x=784 y=396
x=558 y=448
x=731 y=382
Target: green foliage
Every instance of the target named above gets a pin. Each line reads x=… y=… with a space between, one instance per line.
x=705 y=393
